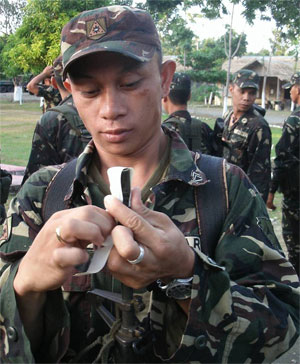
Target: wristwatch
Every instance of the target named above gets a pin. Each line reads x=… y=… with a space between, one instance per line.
x=179 y=289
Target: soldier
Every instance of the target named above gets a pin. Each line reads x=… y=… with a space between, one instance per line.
x=196 y=134
x=232 y=298
x=47 y=90
x=247 y=137
x=286 y=175
x=60 y=134
x=5 y=182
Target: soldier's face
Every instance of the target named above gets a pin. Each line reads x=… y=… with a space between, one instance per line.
x=119 y=100
x=295 y=93
x=242 y=98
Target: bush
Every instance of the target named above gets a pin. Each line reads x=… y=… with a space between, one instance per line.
x=200 y=91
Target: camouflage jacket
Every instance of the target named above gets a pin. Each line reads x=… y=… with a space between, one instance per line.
x=55 y=140
x=50 y=94
x=245 y=299
x=286 y=162
x=202 y=131
x=248 y=145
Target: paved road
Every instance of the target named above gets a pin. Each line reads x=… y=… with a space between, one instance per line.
x=273 y=117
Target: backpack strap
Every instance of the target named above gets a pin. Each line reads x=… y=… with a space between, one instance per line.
x=194 y=134
x=54 y=198
x=71 y=114
x=190 y=130
x=211 y=202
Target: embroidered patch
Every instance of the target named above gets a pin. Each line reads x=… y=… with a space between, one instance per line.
x=194 y=242
x=196 y=177
x=95 y=29
x=6 y=230
x=241 y=133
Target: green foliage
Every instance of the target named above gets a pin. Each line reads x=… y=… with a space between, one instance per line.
x=199 y=92
x=206 y=62
x=11 y=15
x=36 y=43
x=177 y=38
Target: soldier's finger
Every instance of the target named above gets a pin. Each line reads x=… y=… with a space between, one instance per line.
x=69 y=256
x=142 y=229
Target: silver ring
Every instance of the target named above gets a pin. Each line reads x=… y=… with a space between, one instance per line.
x=58 y=236
x=139 y=258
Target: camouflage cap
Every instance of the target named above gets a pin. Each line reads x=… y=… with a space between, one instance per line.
x=58 y=67
x=295 y=80
x=180 y=81
x=120 y=29
x=246 y=78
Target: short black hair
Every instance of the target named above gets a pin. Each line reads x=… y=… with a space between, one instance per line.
x=180 y=89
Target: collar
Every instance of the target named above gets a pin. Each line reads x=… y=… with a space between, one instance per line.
x=183 y=167
x=181 y=114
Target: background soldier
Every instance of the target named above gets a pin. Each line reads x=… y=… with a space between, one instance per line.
x=196 y=134
x=286 y=175
x=247 y=136
x=59 y=135
x=5 y=182
x=47 y=90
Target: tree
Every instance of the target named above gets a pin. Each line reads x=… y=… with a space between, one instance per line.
x=36 y=43
x=177 y=38
x=207 y=60
x=11 y=15
x=286 y=13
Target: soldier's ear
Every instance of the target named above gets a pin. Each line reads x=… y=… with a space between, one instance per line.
x=67 y=85
x=53 y=82
x=167 y=71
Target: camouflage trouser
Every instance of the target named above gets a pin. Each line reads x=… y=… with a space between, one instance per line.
x=290 y=232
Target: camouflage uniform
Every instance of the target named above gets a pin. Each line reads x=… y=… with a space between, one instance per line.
x=244 y=305
x=247 y=143
x=55 y=140
x=286 y=178
x=51 y=96
x=5 y=182
x=204 y=131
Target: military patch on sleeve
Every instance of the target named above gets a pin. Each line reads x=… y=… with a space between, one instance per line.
x=6 y=230
x=194 y=242
x=95 y=29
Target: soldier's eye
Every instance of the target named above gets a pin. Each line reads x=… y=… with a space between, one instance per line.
x=130 y=84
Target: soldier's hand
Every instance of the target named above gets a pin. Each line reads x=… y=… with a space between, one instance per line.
x=49 y=262
x=167 y=254
x=48 y=71
x=269 y=203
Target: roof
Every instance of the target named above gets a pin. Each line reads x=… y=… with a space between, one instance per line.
x=282 y=67
x=179 y=66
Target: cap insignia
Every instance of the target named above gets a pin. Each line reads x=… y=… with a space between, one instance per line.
x=96 y=29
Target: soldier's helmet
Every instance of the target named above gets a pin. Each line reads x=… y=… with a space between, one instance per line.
x=295 y=80
x=246 y=78
x=120 y=29
x=180 y=82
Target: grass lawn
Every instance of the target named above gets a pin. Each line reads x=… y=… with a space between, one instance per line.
x=17 y=126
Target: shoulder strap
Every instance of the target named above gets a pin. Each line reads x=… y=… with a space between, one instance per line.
x=190 y=131
x=196 y=134
x=71 y=114
x=211 y=202
x=54 y=198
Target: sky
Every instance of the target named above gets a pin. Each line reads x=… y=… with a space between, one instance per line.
x=258 y=34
